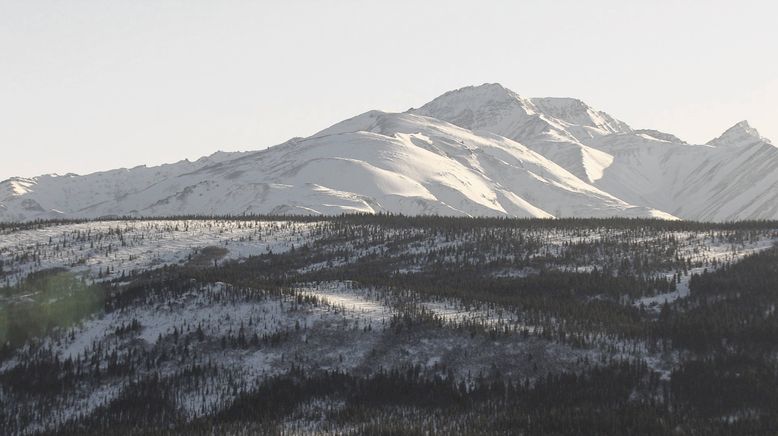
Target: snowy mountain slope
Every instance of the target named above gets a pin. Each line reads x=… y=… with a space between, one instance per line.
x=55 y=196
x=732 y=177
x=375 y=162
x=479 y=150
x=554 y=127
x=739 y=135
x=736 y=179
x=516 y=172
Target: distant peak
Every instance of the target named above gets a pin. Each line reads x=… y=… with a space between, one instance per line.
x=562 y=107
x=17 y=179
x=497 y=87
x=493 y=91
x=560 y=102
x=576 y=112
x=479 y=107
x=743 y=126
x=740 y=134
x=662 y=136
x=18 y=185
x=491 y=86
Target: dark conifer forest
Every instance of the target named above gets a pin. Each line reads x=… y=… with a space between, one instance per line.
x=387 y=325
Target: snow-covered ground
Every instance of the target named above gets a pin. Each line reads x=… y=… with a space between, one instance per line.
x=101 y=250
x=106 y=249
x=248 y=334
x=713 y=255
x=346 y=328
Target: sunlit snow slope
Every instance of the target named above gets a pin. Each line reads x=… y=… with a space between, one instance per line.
x=375 y=162
x=733 y=177
x=476 y=151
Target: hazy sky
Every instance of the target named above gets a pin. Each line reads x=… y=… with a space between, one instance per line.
x=91 y=85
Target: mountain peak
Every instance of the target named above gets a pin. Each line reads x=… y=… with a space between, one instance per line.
x=738 y=135
x=494 y=89
x=659 y=135
x=494 y=108
x=575 y=112
x=476 y=96
x=490 y=107
x=561 y=103
x=16 y=186
x=491 y=88
x=744 y=127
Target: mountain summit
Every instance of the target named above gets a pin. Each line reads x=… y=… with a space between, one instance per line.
x=738 y=135
x=476 y=151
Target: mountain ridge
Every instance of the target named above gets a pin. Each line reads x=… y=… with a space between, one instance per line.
x=475 y=151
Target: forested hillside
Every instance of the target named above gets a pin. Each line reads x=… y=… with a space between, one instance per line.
x=381 y=324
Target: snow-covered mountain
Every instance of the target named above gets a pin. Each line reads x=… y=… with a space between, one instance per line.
x=733 y=177
x=476 y=151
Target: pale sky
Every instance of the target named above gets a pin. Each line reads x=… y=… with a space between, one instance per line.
x=95 y=85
